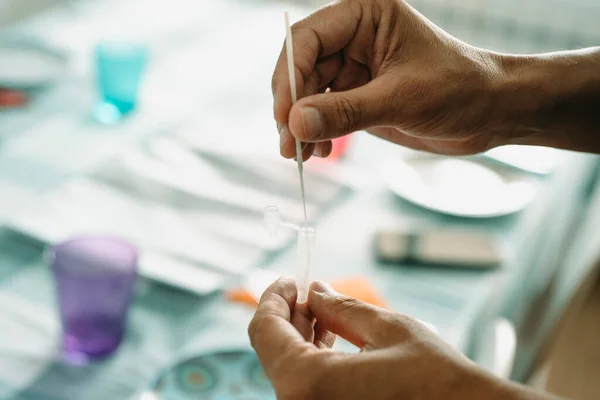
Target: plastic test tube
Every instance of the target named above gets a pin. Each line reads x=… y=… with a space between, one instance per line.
x=304 y=251
x=306 y=245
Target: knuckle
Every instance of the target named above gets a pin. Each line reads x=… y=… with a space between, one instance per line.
x=378 y=7
x=253 y=328
x=353 y=3
x=258 y=327
x=409 y=324
x=311 y=86
x=390 y=323
x=347 y=114
x=345 y=304
x=296 y=26
x=388 y=4
x=400 y=325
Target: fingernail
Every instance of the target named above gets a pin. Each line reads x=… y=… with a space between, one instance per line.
x=317 y=151
x=284 y=278
x=321 y=287
x=279 y=128
x=312 y=122
x=284 y=136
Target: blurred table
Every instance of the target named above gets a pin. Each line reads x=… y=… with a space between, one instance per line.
x=210 y=75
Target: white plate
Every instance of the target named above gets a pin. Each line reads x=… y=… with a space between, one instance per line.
x=537 y=160
x=458 y=187
x=26 y=66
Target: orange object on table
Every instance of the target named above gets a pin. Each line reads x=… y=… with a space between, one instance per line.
x=339 y=146
x=12 y=98
x=357 y=287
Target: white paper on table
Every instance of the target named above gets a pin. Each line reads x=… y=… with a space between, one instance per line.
x=29 y=343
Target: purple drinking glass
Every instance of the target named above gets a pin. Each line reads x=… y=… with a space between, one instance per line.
x=95 y=276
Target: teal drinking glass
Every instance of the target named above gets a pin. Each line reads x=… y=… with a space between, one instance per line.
x=119 y=68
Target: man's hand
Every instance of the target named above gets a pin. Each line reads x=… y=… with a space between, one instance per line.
x=379 y=65
x=400 y=358
x=390 y=71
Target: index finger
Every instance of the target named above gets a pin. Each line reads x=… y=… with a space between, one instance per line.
x=271 y=332
x=322 y=34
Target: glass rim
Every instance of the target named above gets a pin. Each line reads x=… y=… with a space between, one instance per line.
x=133 y=257
x=116 y=48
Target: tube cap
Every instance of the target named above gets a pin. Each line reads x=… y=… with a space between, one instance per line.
x=272 y=219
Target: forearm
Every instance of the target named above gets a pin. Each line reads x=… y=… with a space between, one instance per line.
x=550 y=99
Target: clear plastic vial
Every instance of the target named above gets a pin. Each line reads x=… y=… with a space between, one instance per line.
x=305 y=253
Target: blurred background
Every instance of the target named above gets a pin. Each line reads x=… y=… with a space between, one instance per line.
x=151 y=122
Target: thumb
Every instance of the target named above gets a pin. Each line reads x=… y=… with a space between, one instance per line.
x=360 y=323
x=330 y=115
